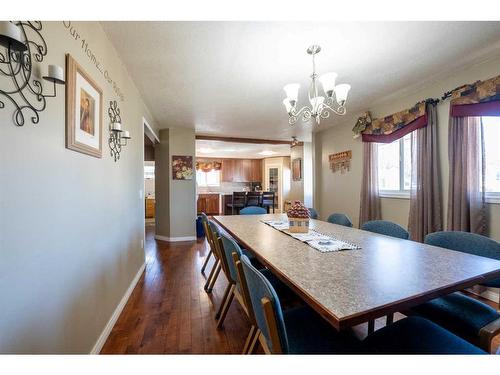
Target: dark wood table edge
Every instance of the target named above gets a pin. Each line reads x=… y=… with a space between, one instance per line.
x=355 y=319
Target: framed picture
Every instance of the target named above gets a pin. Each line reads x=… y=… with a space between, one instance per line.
x=83 y=111
x=297 y=169
x=182 y=167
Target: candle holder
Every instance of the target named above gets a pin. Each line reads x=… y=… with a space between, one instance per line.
x=118 y=137
x=22 y=43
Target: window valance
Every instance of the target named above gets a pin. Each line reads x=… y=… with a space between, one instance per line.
x=392 y=127
x=208 y=166
x=481 y=98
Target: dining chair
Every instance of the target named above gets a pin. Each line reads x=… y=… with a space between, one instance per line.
x=230 y=253
x=387 y=228
x=254 y=198
x=313 y=214
x=268 y=200
x=296 y=331
x=253 y=210
x=467 y=317
x=212 y=234
x=238 y=202
x=339 y=219
x=302 y=331
x=204 y=222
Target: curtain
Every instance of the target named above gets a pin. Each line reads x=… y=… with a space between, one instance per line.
x=425 y=195
x=466 y=203
x=369 y=199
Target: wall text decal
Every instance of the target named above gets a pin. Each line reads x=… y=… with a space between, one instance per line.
x=84 y=44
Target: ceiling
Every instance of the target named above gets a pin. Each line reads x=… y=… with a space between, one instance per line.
x=226 y=78
x=219 y=149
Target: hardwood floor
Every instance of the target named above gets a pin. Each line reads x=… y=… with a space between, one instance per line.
x=170 y=313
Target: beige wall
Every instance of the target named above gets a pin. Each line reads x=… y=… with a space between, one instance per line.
x=336 y=192
x=71 y=225
x=175 y=199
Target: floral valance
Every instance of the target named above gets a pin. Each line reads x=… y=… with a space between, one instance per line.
x=392 y=127
x=481 y=98
x=208 y=166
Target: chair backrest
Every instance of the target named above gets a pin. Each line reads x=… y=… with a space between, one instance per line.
x=266 y=308
x=229 y=246
x=253 y=198
x=465 y=242
x=340 y=219
x=386 y=227
x=252 y=210
x=313 y=214
x=240 y=198
x=268 y=197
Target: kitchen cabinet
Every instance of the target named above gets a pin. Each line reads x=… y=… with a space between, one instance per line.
x=241 y=170
x=208 y=203
x=150 y=208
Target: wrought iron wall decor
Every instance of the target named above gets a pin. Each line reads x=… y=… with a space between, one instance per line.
x=23 y=43
x=117 y=136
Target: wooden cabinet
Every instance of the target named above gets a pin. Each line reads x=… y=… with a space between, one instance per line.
x=241 y=170
x=150 y=208
x=208 y=203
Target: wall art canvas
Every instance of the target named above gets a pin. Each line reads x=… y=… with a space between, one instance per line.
x=83 y=111
x=182 y=167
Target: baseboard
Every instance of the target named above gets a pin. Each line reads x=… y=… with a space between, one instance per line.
x=175 y=239
x=116 y=314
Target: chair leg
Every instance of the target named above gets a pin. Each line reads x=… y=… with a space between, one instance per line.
x=223 y=301
x=389 y=319
x=371 y=326
x=212 y=273
x=225 y=307
x=214 y=279
x=249 y=340
x=205 y=263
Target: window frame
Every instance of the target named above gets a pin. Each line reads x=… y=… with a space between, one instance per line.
x=396 y=194
x=492 y=197
x=207 y=185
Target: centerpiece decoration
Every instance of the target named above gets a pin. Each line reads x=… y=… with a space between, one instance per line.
x=298 y=218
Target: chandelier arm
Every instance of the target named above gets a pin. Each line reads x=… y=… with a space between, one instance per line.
x=341 y=110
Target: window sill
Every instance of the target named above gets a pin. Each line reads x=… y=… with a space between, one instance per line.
x=394 y=194
x=493 y=198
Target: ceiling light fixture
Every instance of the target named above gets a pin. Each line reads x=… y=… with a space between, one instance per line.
x=295 y=141
x=336 y=96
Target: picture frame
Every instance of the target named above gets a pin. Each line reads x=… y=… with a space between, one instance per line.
x=84 y=108
x=297 y=169
x=182 y=167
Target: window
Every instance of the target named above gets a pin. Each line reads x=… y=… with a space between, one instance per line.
x=394 y=168
x=491 y=133
x=149 y=172
x=211 y=178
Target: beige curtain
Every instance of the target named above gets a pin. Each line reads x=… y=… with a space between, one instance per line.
x=466 y=204
x=425 y=195
x=369 y=199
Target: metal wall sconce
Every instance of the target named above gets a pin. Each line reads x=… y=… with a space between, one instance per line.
x=117 y=136
x=24 y=42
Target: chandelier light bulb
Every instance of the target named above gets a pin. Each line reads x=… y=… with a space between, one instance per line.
x=328 y=82
x=288 y=106
x=341 y=92
x=292 y=92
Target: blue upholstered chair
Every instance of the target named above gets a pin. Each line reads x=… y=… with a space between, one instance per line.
x=302 y=331
x=467 y=317
x=204 y=222
x=253 y=210
x=387 y=228
x=295 y=331
x=340 y=219
x=313 y=214
x=230 y=253
x=212 y=232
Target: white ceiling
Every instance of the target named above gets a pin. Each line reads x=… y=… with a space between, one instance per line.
x=218 y=149
x=226 y=78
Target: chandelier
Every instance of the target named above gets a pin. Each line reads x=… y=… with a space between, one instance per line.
x=320 y=107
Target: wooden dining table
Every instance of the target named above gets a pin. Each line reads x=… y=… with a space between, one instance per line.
x=349 y=287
